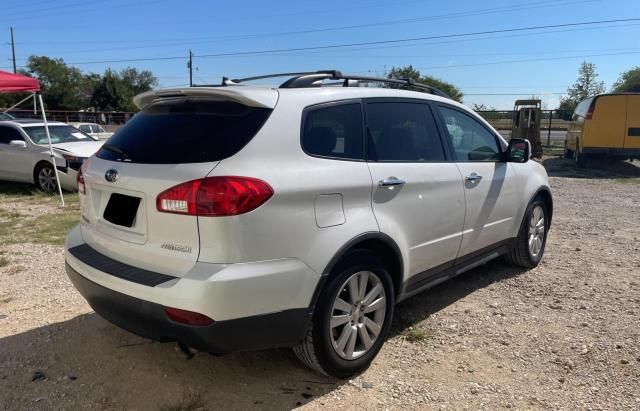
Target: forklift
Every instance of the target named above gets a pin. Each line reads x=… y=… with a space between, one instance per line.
x=526 y=124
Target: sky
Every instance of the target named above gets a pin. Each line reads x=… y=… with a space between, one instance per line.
x=238 y=38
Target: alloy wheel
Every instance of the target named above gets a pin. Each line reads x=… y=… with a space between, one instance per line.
x=537 y=228
x=357 y=315
x=47 y=179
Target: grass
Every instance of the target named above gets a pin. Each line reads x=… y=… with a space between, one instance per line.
x=628 y=180
x=17 y=227
x=4 y=261
x=414 y=335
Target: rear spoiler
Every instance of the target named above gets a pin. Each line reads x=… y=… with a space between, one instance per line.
x=252 y=97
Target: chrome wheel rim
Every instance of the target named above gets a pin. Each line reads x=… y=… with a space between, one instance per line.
x=47 y=179
x=536 y=231
x=357 y=315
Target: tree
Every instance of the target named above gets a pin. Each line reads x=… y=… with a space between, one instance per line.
x=115 y=90
x=629 y=81
x=408 y=72
x=587 y=85
x=62 y=86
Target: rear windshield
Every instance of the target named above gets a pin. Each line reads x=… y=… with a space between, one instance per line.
x=185 y=131
x=59 y=134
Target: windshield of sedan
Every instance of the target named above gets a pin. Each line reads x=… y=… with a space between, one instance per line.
x=59 y=134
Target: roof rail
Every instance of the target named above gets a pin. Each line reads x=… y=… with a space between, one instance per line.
x=315 y=78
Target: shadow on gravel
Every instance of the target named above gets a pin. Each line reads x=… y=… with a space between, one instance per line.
x=596 y=168
x=89 y=363
x=421 y=306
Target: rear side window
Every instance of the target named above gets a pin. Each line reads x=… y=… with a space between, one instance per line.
x=403 y=132
x=7 y=134
x=185 y=131
x=334 y=131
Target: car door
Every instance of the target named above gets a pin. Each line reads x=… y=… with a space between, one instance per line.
x=417 y=194
x=15 y=161
x=490 y=184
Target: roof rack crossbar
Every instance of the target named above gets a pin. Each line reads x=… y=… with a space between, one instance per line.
x=314 y=79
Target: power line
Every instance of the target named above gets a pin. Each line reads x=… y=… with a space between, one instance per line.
x=526 y=60
x=190 y=41
x=411 y=39
x=368 y=43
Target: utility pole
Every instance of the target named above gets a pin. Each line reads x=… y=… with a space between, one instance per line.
x=190 y=65
x=13 y=51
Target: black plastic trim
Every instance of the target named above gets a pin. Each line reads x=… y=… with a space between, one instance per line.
x=349 y=245
x=107 y=265
x=443 y=272
x=146 y=319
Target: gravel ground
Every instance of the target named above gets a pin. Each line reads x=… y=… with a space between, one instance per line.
x=565 y=335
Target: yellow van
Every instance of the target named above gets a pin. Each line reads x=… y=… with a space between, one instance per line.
x=605 y=125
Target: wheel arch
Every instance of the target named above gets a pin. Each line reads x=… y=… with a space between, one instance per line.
x=378 y=243
x=547 y=197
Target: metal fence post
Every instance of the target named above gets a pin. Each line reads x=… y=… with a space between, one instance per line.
x=549 y=130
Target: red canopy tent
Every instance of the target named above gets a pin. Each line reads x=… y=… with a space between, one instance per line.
x=17 y=83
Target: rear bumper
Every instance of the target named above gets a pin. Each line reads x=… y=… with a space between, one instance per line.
x=148 y=320
x=611 y=152
x=254 y=305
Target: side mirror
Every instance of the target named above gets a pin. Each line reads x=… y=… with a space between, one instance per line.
x=518 y=151
x=18 y=143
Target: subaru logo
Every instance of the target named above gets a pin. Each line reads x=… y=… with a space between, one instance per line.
x=111 y=175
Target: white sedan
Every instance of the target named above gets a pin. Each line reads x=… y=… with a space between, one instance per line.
x=93 y=129
x=25 y=157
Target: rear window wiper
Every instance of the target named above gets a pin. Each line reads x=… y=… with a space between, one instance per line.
x=117 y=150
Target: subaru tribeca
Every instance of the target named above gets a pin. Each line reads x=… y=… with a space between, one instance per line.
x=235 y=217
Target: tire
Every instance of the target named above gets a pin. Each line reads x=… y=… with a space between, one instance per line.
x=581 y=159
x=568 y=153
x=45 y=177
x=320 y=350
x=523 y=254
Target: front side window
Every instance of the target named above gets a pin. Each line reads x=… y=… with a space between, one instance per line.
x=400 y=131
x=471 y=140
x=334 y=131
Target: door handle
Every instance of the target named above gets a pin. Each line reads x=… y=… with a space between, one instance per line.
x=391 y=182
x=473 y=177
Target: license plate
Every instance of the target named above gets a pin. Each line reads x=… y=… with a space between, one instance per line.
x=121 y=210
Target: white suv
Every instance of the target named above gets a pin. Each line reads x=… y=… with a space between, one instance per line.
x=238 y=218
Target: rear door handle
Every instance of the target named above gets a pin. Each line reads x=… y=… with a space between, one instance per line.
x=391 y=182
x=473 y=177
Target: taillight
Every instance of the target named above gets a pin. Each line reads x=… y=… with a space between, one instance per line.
x=187 y=317
x=592 y=108
x=215 y=196
x=80 y=182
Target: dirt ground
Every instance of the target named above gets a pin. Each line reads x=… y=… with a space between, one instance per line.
x=565 y=335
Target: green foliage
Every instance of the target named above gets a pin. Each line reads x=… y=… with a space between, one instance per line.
x=115 y=90
x=408 y=72
x=586 y=85
x=61 y=84
x=628 y=82
x=67 y=88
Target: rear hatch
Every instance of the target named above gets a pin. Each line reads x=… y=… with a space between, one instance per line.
x=179 y=136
